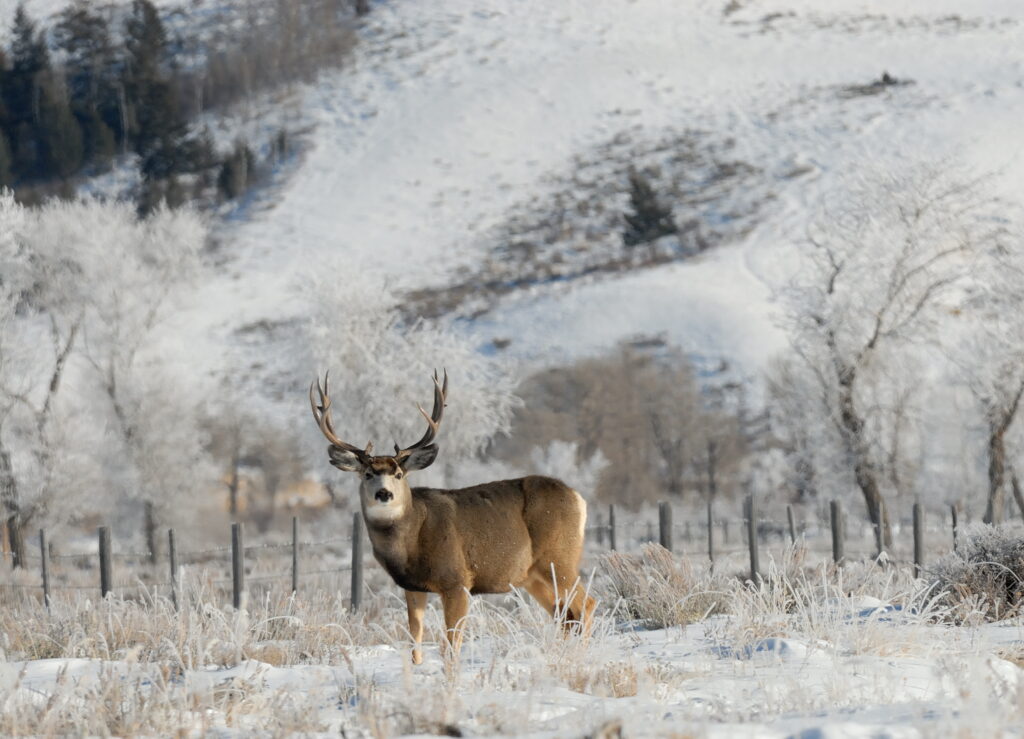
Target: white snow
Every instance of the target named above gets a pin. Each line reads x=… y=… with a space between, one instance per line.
x=692 y=684
x=449 y=116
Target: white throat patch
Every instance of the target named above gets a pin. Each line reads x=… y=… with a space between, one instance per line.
x=383 y=512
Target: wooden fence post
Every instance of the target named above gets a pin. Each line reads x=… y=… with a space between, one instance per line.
x=237 y=565
x=792 y=524
x=918 y=539
x=357 y=560
x=44 y=559
x=665 y=525
x=611 y=526
x=106 y=575
x=836 y=517
x=172 y=562
x=725 y=531
x=711 y=534
x=295 y=555
x=751 y=512
x=600 y=529
x=953 y=514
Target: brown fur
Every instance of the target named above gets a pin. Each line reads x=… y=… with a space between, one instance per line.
x=484 y=539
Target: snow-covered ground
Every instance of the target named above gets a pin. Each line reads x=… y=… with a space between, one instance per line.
x=899 y=678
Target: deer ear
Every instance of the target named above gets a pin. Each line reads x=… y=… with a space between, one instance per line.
x=420 y=459
x=343 y=459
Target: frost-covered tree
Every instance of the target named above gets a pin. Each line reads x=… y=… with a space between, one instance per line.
x=878 y=275
x=989 y=354
x=380 y=366
x=42 y=309
x=562 y=459
x=140 y=270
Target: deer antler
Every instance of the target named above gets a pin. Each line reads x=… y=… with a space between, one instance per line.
x=322 y=415
x=433 y=420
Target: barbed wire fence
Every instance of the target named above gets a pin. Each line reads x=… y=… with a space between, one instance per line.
x=231 y=559
x=710 y=539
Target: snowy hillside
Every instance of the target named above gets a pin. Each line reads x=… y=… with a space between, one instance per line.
x=454 y=126
x=452 y=118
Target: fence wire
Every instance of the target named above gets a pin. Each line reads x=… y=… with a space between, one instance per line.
x=694 y=534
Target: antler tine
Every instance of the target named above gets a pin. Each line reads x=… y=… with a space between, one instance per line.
x=322 y=416
x=434 y=419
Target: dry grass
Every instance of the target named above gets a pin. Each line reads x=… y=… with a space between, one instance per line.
x=158 y=670
x=984 y=579
x=659 y=590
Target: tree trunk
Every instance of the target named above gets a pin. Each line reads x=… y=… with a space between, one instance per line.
x=996 y=475
x=864 y=474
x=16 y=534
x=150 y=527
x=1017 y=494
x=9 y=507
x=878 y=512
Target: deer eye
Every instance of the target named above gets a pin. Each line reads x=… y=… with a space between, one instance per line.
x=368 y=475
x=398 y=475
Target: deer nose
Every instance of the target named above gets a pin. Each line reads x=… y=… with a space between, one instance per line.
x=384 y=496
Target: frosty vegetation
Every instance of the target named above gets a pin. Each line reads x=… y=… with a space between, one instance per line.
x=675 y=647
x=95 y=409
x=898 y=279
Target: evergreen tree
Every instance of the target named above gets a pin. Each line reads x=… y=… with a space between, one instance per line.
x=25 y=151
x=237 y=172
x=30 y=62
x=84 y=36
x=58 y=132
x=150 y=196
x=155 y=122
x=98 y=140
x=6 y=164
x=47 y=139
x=4 y=120
x=92 y=74
x=650 y=220
x=6 y=159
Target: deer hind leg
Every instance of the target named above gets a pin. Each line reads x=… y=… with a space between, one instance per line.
x=560 y=594
x=543 y=593
x=417 y=605
x=456 y=605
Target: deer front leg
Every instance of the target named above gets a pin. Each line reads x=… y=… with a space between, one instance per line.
x=456 y=606
x=417 y=604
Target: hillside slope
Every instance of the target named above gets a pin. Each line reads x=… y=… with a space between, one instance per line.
x=449 y=118
x=454 y=121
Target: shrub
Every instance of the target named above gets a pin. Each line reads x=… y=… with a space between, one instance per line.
x=985 y=576
x=659 y=589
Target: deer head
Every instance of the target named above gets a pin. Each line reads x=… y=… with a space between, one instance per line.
x=384 y=490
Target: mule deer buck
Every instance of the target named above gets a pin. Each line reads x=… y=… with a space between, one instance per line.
x=487 y=538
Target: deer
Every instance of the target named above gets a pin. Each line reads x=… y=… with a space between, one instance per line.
x=489 y=538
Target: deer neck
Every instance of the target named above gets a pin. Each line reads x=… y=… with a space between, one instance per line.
x=395 y=544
